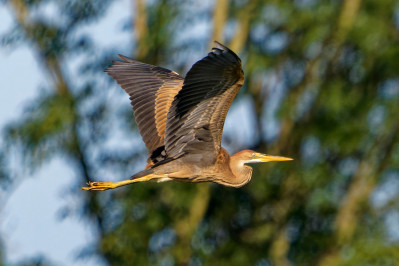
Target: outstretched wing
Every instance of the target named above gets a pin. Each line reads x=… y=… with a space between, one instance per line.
x=196 y=117
x=152 y=90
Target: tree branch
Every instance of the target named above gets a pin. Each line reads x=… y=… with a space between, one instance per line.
x=219 y=20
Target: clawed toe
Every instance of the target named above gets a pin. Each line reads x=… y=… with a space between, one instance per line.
x=98 y=186
x=105 y=185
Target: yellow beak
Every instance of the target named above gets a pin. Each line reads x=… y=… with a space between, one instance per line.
x=260 y=157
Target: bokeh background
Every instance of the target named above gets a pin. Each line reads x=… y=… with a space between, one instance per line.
x=322 y=86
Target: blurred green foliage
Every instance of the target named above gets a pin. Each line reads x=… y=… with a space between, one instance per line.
x=326 y=73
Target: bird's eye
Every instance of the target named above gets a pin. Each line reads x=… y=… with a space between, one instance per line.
x=253 y=155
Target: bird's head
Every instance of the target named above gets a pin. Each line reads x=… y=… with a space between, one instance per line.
x=250 y=156
x=242 y=173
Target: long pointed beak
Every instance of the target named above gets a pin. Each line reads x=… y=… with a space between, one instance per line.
x=260 y=157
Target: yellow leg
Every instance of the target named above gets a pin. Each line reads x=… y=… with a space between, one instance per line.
x=104 y=185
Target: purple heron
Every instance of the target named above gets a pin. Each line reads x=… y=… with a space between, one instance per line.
x=181 y=120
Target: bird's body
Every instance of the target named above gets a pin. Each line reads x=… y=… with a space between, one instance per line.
x=220 y=171
x=181 y=120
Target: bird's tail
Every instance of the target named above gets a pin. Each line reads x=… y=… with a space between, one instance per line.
x=142 y=173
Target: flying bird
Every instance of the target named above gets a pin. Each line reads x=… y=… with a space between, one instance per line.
x=181 y=120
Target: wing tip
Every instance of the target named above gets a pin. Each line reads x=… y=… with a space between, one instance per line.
x=225 y=48
x=221 y=45
x=125 y=59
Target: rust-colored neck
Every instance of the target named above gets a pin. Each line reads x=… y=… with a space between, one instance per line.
x=234 y=171
x=240 y=173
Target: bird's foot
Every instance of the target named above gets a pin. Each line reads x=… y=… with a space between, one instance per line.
x=104 y=185
x=99 y=185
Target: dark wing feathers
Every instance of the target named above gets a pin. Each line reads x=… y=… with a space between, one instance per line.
x=177 y=117
x=207 y=78
x=152 y=90
x=197 y=114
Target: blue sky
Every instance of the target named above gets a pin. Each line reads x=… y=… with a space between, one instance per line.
x=30 y=223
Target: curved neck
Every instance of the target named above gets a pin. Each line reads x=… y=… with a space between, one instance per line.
x=241 y=173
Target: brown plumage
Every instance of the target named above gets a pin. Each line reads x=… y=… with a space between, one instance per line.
x=181 y=120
